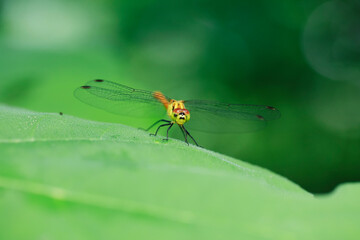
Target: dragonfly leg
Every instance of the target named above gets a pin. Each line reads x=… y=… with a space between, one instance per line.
x=190 y=136
x=161 y=120
x=163 y=125
x=167 y=132
x=184 y=133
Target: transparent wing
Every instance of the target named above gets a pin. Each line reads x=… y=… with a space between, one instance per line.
x=120 y=99
x=215 y=117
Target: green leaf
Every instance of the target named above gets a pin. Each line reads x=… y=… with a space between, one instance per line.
x=67 y=178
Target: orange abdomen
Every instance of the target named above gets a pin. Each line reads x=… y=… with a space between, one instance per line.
x=159 y=96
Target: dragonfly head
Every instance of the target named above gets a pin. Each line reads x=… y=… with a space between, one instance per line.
x=180 y=115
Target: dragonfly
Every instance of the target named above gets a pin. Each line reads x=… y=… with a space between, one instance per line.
x=206 y=116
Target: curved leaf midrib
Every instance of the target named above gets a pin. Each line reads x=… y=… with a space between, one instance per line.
x=106 y=202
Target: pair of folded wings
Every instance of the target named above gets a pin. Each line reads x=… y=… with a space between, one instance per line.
x=205 y=116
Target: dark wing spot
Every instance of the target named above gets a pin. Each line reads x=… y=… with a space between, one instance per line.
x=271 y=108
x=260 y=117
x=98 y=80
x=85 y=87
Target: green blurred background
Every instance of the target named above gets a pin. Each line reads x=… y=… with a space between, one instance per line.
x=300 y=56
